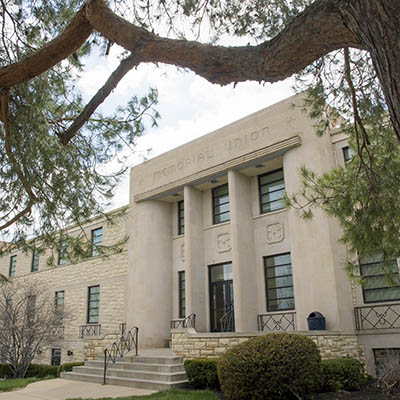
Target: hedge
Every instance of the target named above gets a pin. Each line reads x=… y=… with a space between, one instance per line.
x=39 y=370
x=202 y=373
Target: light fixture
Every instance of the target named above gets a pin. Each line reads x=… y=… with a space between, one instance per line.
x=259 y=166
x=214 y=181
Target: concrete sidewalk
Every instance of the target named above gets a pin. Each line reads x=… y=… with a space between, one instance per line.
x=62 y=389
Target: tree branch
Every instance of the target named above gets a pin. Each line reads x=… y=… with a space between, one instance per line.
x=125 y=66
x=69 y=41
x=312 y=34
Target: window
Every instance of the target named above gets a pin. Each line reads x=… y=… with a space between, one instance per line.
x=97 y=238
x=381 y=281
x=279 y=282
x=181 y=218
x=182 y=297
x=62 y=253
x=35 y=260
x=272 y=189
x=59 y=299
x=93 y=304
x=348 y=154
x=220 y=196
x=55 y=356
x=13 y=266
x=30 y=309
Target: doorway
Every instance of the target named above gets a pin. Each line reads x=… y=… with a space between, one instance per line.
x=222 y=317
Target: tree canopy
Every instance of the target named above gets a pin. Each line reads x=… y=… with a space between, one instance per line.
x=53 y=146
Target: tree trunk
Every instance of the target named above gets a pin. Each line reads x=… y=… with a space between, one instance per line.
x=376 y=24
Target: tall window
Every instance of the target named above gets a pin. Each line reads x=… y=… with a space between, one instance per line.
x=220 y=196
x=93 y=304
x=30 y=309
x=348 y=154
x=181 y=218
x=62 y=253
x=381 y=281
x=272 y=189
x=35 y=260
x=97 y=239
x=182 y=297
x=279 y=282
x=59 y=299
x=13 y=266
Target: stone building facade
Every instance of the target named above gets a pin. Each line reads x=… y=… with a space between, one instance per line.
x=209 y=236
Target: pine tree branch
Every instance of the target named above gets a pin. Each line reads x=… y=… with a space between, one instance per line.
x=124 y=67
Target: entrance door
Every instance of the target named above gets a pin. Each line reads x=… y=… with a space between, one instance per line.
x=221 y=298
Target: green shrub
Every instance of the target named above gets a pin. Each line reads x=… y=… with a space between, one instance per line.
x=5 y=371
x=67 y=367
x=275 y=366
x=202 y=373
x=342 y=373
x=41 y=371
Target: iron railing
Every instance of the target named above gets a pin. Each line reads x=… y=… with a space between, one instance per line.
x=384 y=316
x=187 y=322
x=89 y=330
x=227 y=321
x=122 y=328
x=121 y=347
x=281 y=322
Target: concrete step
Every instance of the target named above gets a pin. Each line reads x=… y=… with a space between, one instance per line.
x=126 y=373
x=121 y=381
x=138 y=366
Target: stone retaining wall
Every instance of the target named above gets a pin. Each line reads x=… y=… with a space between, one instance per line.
x=189 y=344
x=95 y=346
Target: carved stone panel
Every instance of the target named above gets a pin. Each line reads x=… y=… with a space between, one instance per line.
x=223 y=242
x=183 y=252
x=275 y=233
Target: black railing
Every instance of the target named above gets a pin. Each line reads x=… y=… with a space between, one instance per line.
x=188 y=322
x=281 y=322
x=122 y=328
x=121 y=347
x=385 y=316
x=89 y=330
x=227 y=321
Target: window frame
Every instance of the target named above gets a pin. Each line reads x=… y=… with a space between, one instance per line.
x=266 y=184
x=55 y=355
x=266 y=278
x=35 y=260
x=62 y=253
x=182 y=294
x=348 y=154
x=395 y=273
x=12 y=269
x=181 y=217
x=89 y=307
x=56 y=298
x=214 y=205
x=95 y=251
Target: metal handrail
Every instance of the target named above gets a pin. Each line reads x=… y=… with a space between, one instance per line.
x=378 y=316
x=89 y=330
x=120 y=347
x=284 y=322
x=227 y=321
x=187 y=322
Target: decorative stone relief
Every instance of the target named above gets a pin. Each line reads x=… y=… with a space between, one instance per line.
x=275 y=233
x=183 y=252
x=223 y=242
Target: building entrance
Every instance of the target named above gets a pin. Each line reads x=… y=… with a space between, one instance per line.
x=221 y=298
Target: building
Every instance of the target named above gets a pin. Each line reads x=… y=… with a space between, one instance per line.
x=209 y=235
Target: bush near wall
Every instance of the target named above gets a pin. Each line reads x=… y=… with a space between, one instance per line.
x=39 y=370
x=277 y=366
x=202 y=373
x=343 y=373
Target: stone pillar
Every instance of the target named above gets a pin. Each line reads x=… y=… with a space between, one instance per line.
x=149 y=286
x=320 y=283
x=243 y=253
x=194 y=256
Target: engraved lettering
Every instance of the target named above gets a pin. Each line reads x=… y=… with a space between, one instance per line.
x=254 y=136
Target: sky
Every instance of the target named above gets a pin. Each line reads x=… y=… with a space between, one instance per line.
x=189 y=105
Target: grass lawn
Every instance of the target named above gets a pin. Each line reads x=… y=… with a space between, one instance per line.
x=19 y=383
x=169 y=395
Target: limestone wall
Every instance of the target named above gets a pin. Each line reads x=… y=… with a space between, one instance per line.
x=189 y=344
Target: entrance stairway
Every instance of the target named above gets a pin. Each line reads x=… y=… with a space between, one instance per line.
x=155 y=369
